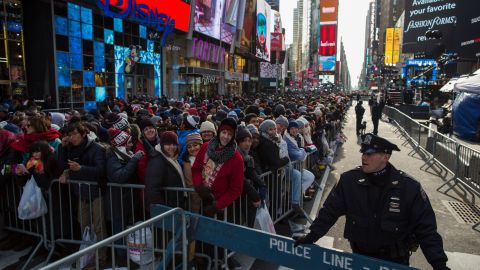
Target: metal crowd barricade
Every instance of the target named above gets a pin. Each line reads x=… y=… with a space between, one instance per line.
x=9 y=200
x=455 y=158
x=162 y=252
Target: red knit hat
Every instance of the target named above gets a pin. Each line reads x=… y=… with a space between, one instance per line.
x=168 y=137
x=118 y=137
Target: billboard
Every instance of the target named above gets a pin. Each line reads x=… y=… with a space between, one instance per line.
x=246 y=36
x=229 y=20
x=263 y=30
x=468 y=38
x=208 y=17
x=276 y=42
x=328 y=11
x=326 y=63
x=151 y=12
x=328 y=40
x=270 y=71
x=421 y=16
x=392 y=46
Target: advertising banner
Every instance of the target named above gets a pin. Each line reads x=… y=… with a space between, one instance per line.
x=468 y=36
x=263 y=30
x=248 y=23
x=328 y=40
x=276 y=43
x=208 y=17
x=151 y=12
x=328 y=11
x=274 y=4
x=396 y=45
x=389 y=46
x=229 y=21
x=270 y=71
x=326 y=63
x=424 y=15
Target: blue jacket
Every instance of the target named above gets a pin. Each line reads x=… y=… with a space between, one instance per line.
x=294 y=152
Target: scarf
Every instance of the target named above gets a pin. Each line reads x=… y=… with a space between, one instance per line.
x=220 y=155
x=122 y=153
x=214 y=159
x=22 y=144
x=173 y=161
x=275 y=140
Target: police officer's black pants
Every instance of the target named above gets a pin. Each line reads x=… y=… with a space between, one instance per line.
x=359 y=125
x=375 y=125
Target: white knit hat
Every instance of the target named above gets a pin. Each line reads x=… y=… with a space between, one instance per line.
x=208 y=126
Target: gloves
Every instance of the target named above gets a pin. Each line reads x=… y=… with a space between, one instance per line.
x=205 y=193
x=210 y=210
x=306 y=239
x=139 y=154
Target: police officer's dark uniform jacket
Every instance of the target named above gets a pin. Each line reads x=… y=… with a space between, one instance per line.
x=385 y=211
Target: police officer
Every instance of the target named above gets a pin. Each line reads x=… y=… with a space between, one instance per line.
x=376 y=111
x=359 y=111
x=387 y=212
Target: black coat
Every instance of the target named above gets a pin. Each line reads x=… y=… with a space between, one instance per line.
x=269 y=155
x=120 y=171
x=402 y=212
x=359 y=111
x=93 y=163
x=161 y=173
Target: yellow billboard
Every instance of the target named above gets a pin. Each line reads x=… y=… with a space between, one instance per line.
x=392 y=46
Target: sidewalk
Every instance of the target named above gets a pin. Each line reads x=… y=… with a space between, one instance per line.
x=461 y=242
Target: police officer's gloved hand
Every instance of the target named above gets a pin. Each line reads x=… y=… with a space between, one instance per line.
x=310 y=238
x=440 y=266
x=210 y=210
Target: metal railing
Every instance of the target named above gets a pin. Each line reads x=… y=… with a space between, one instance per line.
x=162 y=247
x=457 y=159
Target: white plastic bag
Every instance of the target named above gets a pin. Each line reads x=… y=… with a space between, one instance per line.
x=263 y=221
x=32 y=204
x=140 y=245
x=89 y=238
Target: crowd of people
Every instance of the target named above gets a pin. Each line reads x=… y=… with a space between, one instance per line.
x=219 y=147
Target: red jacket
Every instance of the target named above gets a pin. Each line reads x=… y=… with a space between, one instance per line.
x=228 y=185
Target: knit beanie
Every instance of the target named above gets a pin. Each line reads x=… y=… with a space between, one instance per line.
x=221 y=114
x=208 y=126
x=253 y=109
x=292 y=124
x=300 y=123
x=168 y=137
x=233 y=114
x=253 y=129
x=282 y=120
x=228 y=124
x=194 y=138
x=145 y=122
x=120 y=123
x=266 y=125
x=118 y=137
x=242 y=133
x=280 y=109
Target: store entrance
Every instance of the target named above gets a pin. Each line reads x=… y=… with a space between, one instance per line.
x=140 y=83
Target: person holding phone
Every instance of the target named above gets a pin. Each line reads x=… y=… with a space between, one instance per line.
x=80 y=158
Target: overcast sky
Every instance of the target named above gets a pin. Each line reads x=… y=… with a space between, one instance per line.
x=351 y=28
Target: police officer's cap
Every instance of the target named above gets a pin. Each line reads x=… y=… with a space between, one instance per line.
x=373 y=144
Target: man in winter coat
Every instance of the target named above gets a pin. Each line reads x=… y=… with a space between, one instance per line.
x=359 y=111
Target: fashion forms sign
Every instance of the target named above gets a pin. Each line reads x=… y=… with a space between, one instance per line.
x=206 y=51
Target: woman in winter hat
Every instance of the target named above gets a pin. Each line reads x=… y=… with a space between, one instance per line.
x=218 y=170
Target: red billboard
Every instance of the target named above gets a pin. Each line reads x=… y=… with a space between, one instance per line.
x=328 y=40
x=152 y=12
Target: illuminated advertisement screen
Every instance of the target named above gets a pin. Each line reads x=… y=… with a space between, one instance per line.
x=421 y=16
x=229 y=21
x=248 y=23
x=326 y=63
x=328 y=11
x=328 y=40
x=276 y=42
x=150 y=11
x=263 y=30
x=208 y=17
x=468 y=39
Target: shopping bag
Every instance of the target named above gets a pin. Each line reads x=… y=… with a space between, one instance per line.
x=89 y=238
x=263 y=221
x=32 y=204
x=140 y=245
